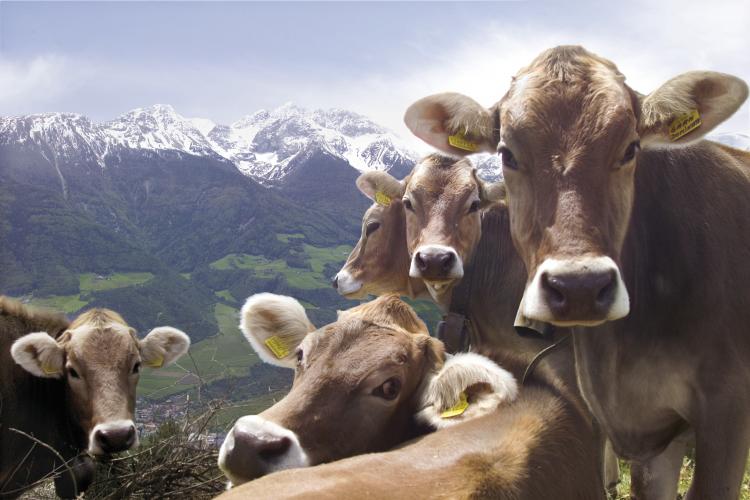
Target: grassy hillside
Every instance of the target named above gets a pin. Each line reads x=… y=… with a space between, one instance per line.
x=225 y=354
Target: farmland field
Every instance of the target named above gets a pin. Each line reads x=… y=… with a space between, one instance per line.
x=225 y=354
x=306 y=279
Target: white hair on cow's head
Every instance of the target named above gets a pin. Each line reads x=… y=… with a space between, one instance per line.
x=496 y=385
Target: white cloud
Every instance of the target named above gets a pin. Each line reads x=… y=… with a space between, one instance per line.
x=659 y=42
x=649 y=41
x=37 y=83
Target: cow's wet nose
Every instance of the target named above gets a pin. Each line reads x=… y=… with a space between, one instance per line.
x=250 y=455
x=580 y=295
x=115 y=439
x=335 y=282
x=435 y=264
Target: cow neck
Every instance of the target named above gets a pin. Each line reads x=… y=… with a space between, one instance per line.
x=675 y=231
x=490 y=292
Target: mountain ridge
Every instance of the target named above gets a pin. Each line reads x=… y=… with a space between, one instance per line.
x=260 y=145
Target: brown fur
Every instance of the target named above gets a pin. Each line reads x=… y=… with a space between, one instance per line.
x=494 y=274
x=343 y=362
x=91 y=380
x=675 y=221
x=31 y=404
x=379 y=270
x=527 y=450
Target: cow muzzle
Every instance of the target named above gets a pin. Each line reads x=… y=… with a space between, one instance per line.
x=346 y=284
x=586 y=292
x=256 y=447
x=112 y=437
x=436 y=264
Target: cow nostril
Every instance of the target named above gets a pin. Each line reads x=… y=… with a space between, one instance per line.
x=419 y=260
x=447 y=260
x=130 y=437
x=606 y=294
x=114 y=440
x=554 y=290
x=335 y=282
x=272 y=448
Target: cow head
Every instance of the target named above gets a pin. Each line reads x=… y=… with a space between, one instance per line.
x=379 y=263
x=358 y=384
x=442 y=199
x=99 y=358
x=570 y=132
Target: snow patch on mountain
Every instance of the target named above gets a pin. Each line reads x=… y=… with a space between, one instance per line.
x=264 y=144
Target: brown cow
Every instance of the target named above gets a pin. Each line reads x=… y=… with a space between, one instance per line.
x=70 y=386
x=376 y=264
x=441 y=194
x=359 y=383
x=528 y=449
x=620 y=211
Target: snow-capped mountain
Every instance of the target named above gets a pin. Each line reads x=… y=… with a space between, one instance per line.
x=264 y=144
x=261 y=145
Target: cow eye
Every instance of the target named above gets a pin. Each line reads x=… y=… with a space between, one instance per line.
x=389 y=389
x=137 y=367
x=300 y=354
x=407 y=204
x=509 y=161
x=371 y=228
x=73 y=373
x=633 y=148
x=474 y=206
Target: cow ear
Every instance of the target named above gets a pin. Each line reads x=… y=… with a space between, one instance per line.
x=39 y=354
x=468 y=386
x=274 y=325
x=689 y=106
x=453 y=123
x=380 y=187
x=490 y=193
x=163 y=346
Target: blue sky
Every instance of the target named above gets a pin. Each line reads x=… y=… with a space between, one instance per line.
x=225 y=60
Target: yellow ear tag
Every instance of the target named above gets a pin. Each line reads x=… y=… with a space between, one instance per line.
x=382 y=199
x=461 y=142
x=157 y=362
x=684 y=124
x=48 y=370
x=458 y=408
x=278 y=346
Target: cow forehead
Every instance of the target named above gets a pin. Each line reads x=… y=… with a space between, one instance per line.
x=356 y=345
x=442 y=178
x=566 y=87
x=101 y=340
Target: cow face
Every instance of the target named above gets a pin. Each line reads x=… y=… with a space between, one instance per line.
x=358 y=384
x=100 y=358
x=443 y=200
x=379 y=262
x=570 y=131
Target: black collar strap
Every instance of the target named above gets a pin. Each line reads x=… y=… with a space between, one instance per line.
x=540 y=356
x=456 y=330
x=453 y=331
